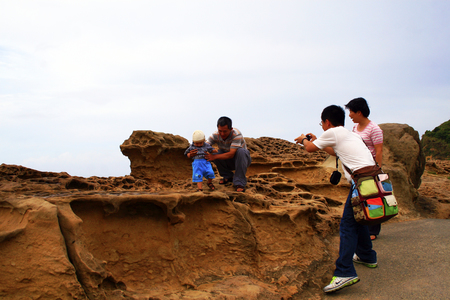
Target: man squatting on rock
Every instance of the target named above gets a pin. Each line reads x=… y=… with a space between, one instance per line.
x=355 y=243
x=200 y=166
x=232 y=154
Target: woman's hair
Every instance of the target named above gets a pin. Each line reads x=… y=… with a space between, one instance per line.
x=359 y=104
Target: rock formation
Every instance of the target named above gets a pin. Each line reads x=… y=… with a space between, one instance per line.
x=434 y=192
x=149 y=235
x=404 y=160
x=156 y=155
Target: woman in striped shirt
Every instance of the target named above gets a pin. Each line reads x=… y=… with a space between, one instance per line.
x=372 y=135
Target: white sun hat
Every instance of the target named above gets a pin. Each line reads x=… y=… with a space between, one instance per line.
x=198 y=136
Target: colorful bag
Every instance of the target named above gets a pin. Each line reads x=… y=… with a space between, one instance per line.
x=384 y=184
x=372 y=200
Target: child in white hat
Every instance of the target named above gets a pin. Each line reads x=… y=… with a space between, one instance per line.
x=200 y=166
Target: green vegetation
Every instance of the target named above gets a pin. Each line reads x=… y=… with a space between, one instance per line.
x=436 y=143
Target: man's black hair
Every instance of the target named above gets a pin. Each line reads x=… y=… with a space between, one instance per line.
x=359 y=104
x=335 y=114
x=224 y=121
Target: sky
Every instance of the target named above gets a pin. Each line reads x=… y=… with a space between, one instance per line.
x=78 y=77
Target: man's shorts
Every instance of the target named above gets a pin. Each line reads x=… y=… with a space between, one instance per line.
x=201 y=168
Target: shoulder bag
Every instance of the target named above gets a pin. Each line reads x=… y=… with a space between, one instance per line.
x=372 y=200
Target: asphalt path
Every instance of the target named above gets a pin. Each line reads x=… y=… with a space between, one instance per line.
x=413 y=263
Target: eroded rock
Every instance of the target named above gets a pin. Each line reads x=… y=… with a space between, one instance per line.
x=150 y=235
x=157 y=155
x=404 y=160
x=34 y=261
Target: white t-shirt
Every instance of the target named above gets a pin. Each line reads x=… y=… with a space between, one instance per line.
x=348 y=146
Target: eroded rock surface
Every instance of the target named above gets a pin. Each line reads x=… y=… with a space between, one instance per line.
x=156 y=155
x=151 y=236
x=404 y=160
x=434 y=192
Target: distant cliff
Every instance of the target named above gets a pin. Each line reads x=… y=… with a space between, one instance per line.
x=436 y=143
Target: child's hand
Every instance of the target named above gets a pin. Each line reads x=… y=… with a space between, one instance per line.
x=215 y=150
x=192 y=153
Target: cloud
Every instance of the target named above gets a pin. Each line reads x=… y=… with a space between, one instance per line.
x=79 y=76
x=92 y=163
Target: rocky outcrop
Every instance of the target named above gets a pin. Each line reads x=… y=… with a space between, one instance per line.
x=404 y=160
x=150 y=235
x=157 y=155
x=177 y=244
x=434 y=192
x=34 y=263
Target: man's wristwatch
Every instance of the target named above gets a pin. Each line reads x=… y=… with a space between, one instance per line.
x=303 y=140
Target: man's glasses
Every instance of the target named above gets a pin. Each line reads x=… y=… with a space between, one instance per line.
x=321 y=123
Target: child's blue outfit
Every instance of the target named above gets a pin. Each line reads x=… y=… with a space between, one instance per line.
x=200 y=166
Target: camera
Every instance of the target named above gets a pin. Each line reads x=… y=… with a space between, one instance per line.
x=308 y=137
x=335 y=177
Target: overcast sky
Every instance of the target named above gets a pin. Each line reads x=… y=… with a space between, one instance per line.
x=77 y=77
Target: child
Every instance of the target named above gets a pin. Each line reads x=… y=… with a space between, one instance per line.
x=200 y=166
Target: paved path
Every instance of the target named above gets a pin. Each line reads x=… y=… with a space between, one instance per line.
x=413 y=263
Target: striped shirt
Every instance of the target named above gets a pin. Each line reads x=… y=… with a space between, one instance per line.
x=372 y=135
x=234 y=141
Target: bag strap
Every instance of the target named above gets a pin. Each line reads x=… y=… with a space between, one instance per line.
x=366 y=171
x=352 y=174
x=348 y=170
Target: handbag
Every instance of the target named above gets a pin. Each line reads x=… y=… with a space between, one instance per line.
x=373 y=201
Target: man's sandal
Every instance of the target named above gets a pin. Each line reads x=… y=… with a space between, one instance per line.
x=240 y=188
x=211 y=186
x=225 y=180
x=199 y=190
